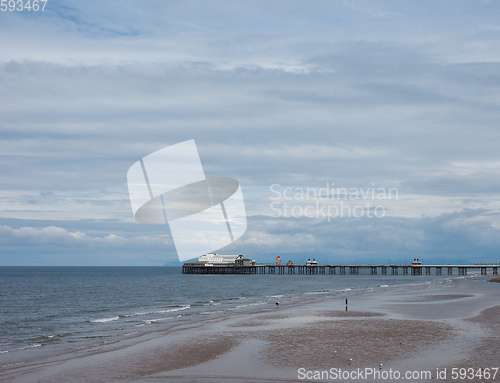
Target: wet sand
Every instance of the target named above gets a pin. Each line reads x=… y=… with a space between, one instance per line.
x=434 y=328
x=485 y=353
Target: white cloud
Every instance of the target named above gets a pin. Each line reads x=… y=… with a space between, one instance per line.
x=60 y=237
x=282 y=242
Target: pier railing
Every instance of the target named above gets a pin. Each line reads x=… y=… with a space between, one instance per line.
x=383 y=269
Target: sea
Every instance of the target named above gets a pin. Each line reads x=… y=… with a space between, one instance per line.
x=55 y=310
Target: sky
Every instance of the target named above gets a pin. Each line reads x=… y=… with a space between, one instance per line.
x=360 y=131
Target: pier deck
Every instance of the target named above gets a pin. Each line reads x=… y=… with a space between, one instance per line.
x=383 y=269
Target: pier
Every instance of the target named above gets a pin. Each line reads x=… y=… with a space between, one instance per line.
x=340 y=269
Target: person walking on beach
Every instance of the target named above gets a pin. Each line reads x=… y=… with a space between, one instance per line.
x=277 y=302
x=346 y=303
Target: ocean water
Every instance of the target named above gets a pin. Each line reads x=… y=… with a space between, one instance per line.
x=54 y=310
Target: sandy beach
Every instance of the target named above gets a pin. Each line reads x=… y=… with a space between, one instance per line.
x=426 y=331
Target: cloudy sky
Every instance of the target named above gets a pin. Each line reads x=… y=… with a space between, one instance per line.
x=311 y=105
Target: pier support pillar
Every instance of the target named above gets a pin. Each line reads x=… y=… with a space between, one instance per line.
x=384 y=270
x=332 y=270
x=395 y=270
x=450 y=270
x=416 y=271
x=495 y=271
x=373 y=270
x=439 y=271
x=342 y=270
x=427 y=270
x=483 y=271
x=405 y=270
